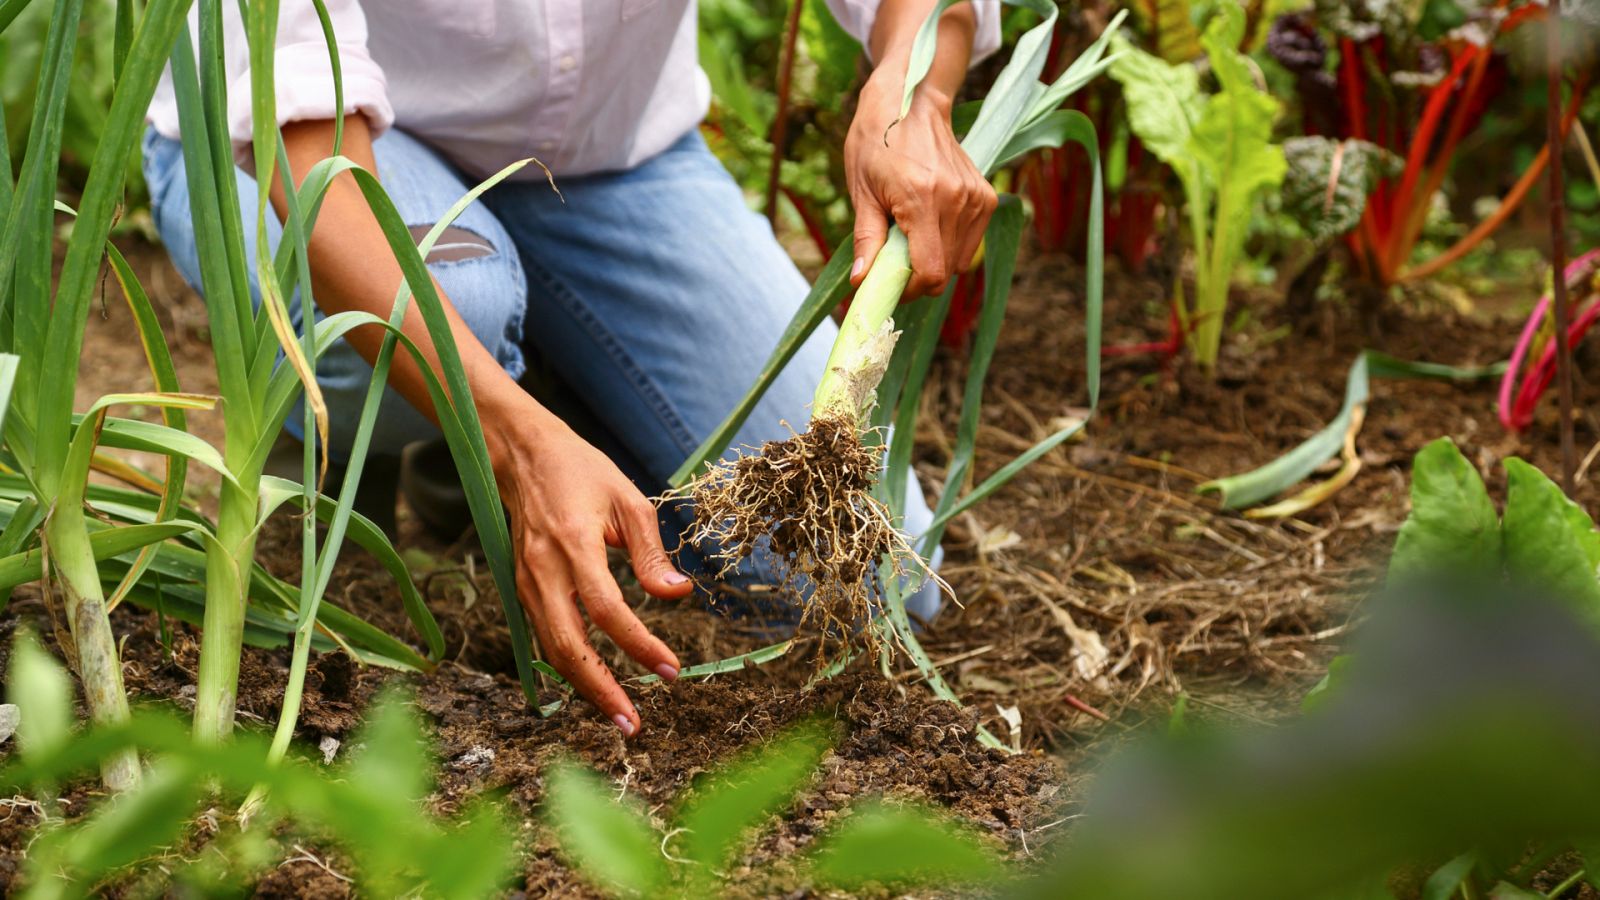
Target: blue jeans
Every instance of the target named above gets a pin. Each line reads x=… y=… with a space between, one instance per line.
x=655 y=293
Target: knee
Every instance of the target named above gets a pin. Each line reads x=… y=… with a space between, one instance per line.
x=483 y=279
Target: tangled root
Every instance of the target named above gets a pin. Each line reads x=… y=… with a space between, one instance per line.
x=808 y=500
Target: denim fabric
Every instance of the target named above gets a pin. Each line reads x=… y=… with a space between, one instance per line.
x=656 y=293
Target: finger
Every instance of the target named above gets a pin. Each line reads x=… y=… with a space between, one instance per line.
x=929 y=269
x=981 y=210
x=610 y=613
x=641 y=532
x=549 y=599
x=872 y=229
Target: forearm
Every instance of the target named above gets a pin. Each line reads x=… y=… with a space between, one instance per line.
x=895 y=30
x=354 y=269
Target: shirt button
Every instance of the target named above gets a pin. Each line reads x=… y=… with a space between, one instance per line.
x=568 y=63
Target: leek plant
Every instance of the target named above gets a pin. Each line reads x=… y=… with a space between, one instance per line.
x=248 y=343
x=817 y=498
x=42 y=331
x=94 y=546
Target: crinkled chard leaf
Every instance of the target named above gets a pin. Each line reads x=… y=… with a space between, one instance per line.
x=1328 y=182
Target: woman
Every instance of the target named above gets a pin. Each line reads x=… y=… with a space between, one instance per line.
x=647 y=285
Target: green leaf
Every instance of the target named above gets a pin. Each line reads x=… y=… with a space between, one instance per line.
x=611 y=844
x=42 y=692
x=744 y=793
x=1453 y=526
x=1164 y=102
x=1326 y=185
x=391 y=760
x=830 y=287
x=1505 y=890
x=901 y=846
x=1328 y=685
x=1549 y=540
x=125 y=830
x=758 y=657
x=1277 y=476
x=369 y=537
x=1447 y=879
x=1172 y=24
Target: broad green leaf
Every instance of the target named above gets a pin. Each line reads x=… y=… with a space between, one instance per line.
x=42 y=692
x=1164 y=102
x=1327 y=182
x=1446 y=880
x=1177 y=39
x=1453 y=526
x=126 y=829
x=744 y=793
x=391 y=760
x=1328 y=685
x=1549 y=540
x=611 y=844
x=899 y=846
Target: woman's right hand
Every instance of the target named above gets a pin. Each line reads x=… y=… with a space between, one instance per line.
x=568 y=502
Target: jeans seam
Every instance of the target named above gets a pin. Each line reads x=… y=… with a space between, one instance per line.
x=659 y=404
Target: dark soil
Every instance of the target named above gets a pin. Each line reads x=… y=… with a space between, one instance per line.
x=1096 y=584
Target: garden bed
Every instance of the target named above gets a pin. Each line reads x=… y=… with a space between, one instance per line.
x=1100 y=560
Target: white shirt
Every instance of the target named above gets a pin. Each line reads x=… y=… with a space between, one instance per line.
x=583 y=85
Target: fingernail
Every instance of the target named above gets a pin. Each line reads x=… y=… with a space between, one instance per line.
x=855 y=270
x=624 y=725
x=667 y=672
x=675 y=578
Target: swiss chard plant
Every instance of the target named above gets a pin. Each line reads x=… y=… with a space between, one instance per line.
x=617 y=848
x=1416 y=81
x=1219 y=143
x=1540 y=538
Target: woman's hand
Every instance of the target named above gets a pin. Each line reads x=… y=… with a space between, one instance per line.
x=568 y=502
x=915 y=172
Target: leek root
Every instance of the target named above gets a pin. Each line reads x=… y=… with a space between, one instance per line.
x=808 y=499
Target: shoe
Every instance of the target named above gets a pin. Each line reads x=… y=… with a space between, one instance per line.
x=431 y=487
x=375 y=496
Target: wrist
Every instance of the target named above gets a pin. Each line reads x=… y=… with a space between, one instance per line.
x=514 y=424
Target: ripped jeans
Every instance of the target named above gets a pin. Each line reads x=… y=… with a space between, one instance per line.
x=656 y=294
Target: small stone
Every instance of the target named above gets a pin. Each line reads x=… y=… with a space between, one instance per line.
x=475 y=758
x=10 y=717
x=329 y=746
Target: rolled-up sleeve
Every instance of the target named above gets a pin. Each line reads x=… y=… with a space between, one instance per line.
x=857 y=16
x=303 y=72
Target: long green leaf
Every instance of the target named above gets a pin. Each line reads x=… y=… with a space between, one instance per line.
x=743 y=793
x=826 y=293
x=1277 y=476
x=1001 y=243
x=897 y=846
x=102 y=193
x=26 y=245
x=1079 y=129
x=611 y=844
x=21 y=568
x=277 y=491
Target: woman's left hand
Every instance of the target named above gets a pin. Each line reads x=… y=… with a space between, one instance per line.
x=916 y=175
